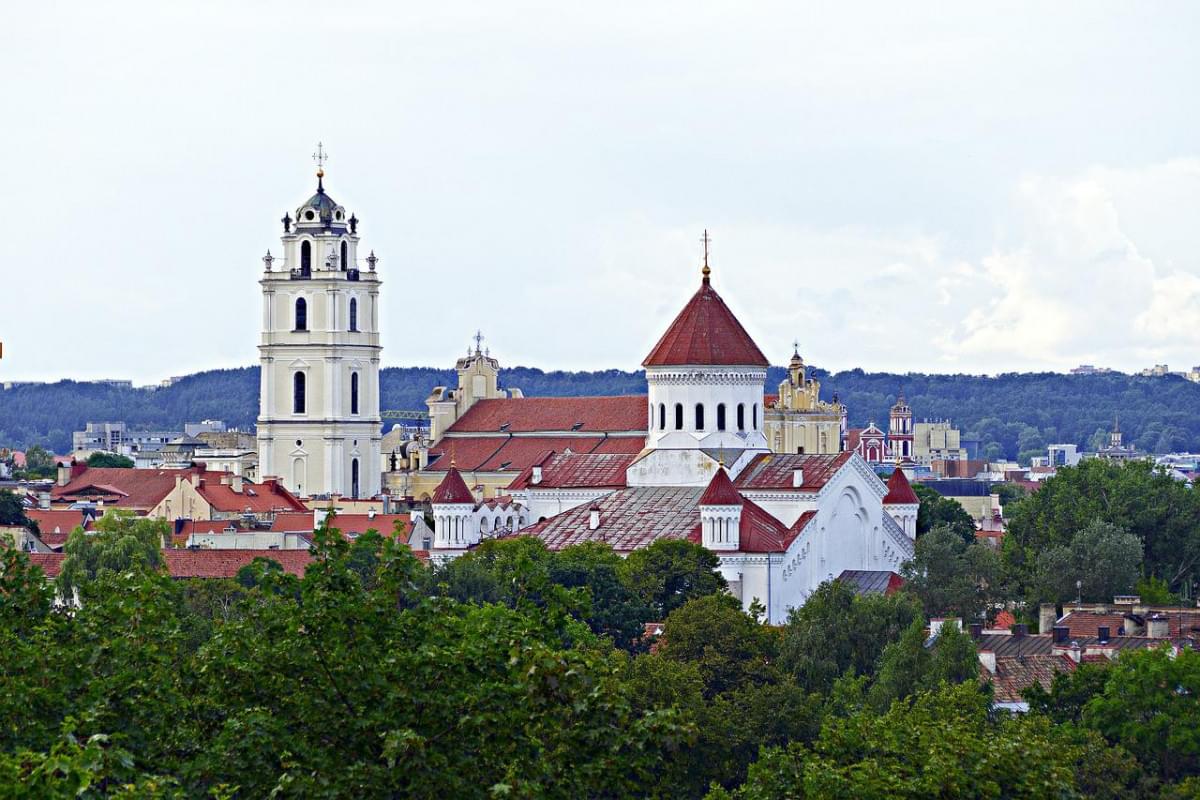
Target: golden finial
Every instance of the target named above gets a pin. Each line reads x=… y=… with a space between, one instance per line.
x=705 y=240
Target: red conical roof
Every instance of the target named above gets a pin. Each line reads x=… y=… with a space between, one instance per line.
x=720 y=491
x=900 y=492
x=706 y=332
x=453 y=489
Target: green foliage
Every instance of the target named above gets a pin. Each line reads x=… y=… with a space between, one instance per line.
x=1104 y=559
x=942 y=744
x=39 y=463
x=951 y=577
x=1154 y=591
x=119 y=543
x=1136 y=497
x=937 y=511
x=907 y=666
x=837 y=632
x=11 y=510
x=109 y=460
x=670 y=572
x=730 y=647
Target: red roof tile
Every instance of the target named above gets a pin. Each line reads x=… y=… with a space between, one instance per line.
x=138 y=489
x=504 y=454
x=773 y=471
x=720 y=491
x=900 y=492
x=1015 y=674
x=186 y=527
x=453 y=489
x=55 y=521
x=199 y=563
x=760 y=532
x=576 y=471
x=256 y=498
x=548 y=414
x=293 y=522
x=705 y=333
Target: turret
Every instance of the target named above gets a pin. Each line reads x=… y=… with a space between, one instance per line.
x=720 y=514
x=453 y=513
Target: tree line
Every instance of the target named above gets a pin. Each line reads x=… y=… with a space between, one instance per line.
x=1011 y=416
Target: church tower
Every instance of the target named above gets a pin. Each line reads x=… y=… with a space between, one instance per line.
x=900 y=429
x=318 y=422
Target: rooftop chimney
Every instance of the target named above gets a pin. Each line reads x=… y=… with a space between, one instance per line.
x=370 y=513
x=235 y=483
x=1158 y=627
x=1047 y=616
x=593 y=517
x=797 y=478
x=43 y=500
x=536 y=478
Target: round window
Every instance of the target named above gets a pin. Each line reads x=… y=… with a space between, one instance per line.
x=339 y=215
x=308 y=214
x=297 y=443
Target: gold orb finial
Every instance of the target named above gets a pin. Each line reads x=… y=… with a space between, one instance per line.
x=320 y=172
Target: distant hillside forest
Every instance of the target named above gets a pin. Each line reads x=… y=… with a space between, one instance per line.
x=1013 y=415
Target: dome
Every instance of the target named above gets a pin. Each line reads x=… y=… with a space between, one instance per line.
x=321 y=209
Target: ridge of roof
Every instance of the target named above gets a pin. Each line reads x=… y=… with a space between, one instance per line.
x=900 y=491
x=720 y=491
x=453 y=489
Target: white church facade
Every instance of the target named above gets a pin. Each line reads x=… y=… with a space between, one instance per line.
x=780 y=523
x=319 y=427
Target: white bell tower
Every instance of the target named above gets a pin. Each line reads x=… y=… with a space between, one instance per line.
x=318 y=420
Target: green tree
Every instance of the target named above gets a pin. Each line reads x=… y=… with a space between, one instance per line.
x=39 y=463
x=1104 y=559
x=937 y=511
x=613 y=609
x=730 y=648
x=109 y=460
x=119 y=542
x=670 y=572
x=951 y=577
x=12 y=512
x=907 y=666
x=836 y=632
x=1135 y=496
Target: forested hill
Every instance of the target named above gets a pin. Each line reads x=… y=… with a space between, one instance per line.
x=1014 y=414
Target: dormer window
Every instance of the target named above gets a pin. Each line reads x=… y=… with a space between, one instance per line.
x=309 y=214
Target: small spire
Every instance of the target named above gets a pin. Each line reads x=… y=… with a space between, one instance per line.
x=706 y=240
x=320 y=156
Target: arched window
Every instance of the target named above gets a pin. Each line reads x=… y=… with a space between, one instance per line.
x=679 y=416
x=755 y=417
x=720 y=416
x=699 y=416
x=306 y=258
x=298 y=393
x=353 y=314
x=354 y=477
x=301 y=314
x=353 y=392
x=345 y=256
x=741 y=416
x=662 y=416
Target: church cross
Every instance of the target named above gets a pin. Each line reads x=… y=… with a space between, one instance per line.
x=478 y=340
x=320 y=156
x=706 y=240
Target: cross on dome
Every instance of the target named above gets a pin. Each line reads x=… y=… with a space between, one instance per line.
x=706 y=240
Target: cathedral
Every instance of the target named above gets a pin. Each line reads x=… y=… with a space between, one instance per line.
x=319 y=428
x=780 y=523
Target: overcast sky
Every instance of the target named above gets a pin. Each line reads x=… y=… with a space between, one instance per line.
x=897 y=186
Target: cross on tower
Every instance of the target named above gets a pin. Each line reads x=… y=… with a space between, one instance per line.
x=706 y=240
x=478 y=337
x=320 y=157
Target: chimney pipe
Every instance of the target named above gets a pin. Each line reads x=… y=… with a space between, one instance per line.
x=536 y=478
x=235 y=483
x=1158 y=627
x=594 y=518
x=44 y=500
x=1047 y=616
x=797 y=478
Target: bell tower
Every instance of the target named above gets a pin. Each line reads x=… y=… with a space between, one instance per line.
x=319 y=429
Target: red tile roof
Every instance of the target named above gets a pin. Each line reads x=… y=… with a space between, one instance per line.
x=705 y=333
x=383 y=524
x=293 y=522
x=199 y=563
x=256 y=498
x=773 y=471
x=55 y=521
x=124 y=487
x=504 y=454
x=1015 y=674
x=720 y=491
x=186 y=527
x=900 y=491
x=760 y=532
x=453 y=489
x=576 y=471
x=548 y=414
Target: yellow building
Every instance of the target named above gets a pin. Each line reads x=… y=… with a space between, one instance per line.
x=937 y=441
x=797 y=420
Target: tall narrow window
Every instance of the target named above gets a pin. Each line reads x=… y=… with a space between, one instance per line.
x=354 y=477
x=720 y=416
x=306 y=258
x=353 y=392
x=301 y=314
x=662 y=416
x=353 y=314
x=345 y=256
x=755 y=417
x=298 y=393
x=679 y=416
x=741 y=416
x=699 y=416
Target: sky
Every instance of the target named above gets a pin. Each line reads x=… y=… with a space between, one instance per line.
x=975 y=188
